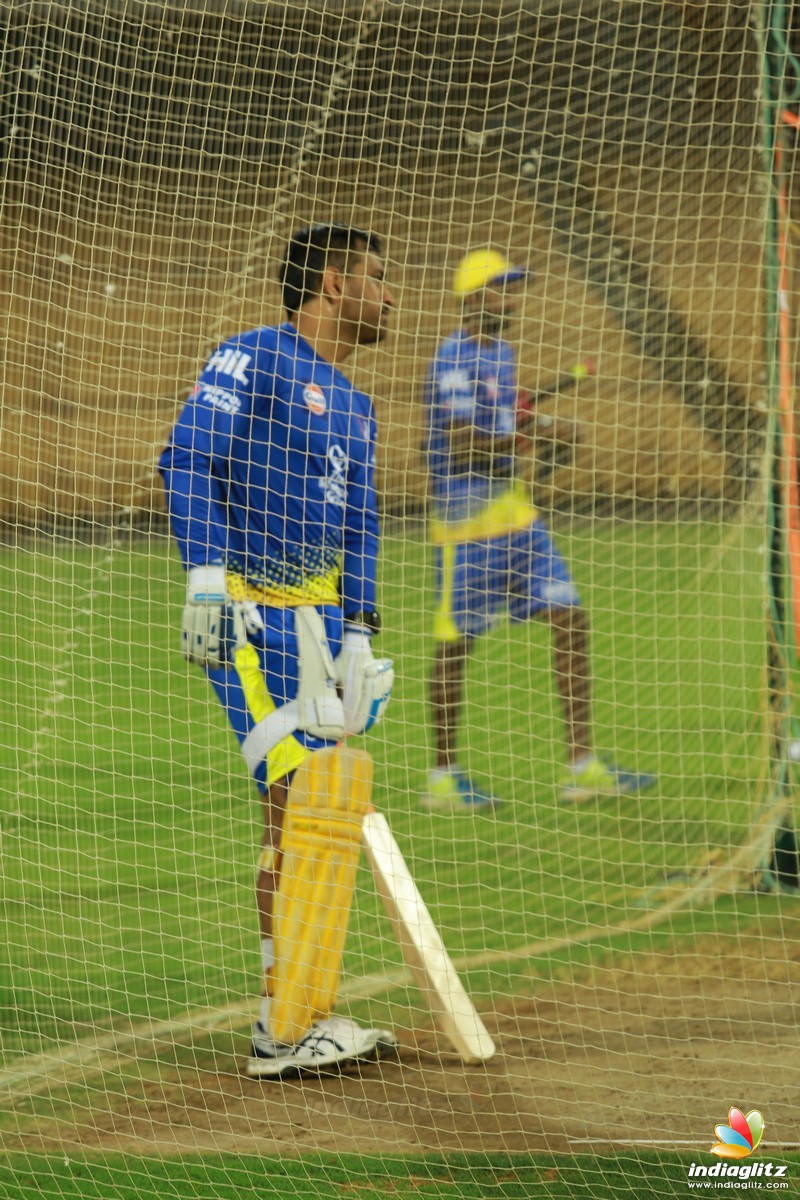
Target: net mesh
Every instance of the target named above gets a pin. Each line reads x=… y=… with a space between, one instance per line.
x=633 y=958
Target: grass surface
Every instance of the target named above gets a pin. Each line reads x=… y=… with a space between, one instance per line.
x=458 y=1177
x=130 y=827
x=128 y=846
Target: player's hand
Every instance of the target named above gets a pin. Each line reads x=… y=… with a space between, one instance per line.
x=206 y=626
x=248 y=622
x=366 y=681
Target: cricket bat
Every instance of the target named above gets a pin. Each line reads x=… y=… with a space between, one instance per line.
x=423 y=950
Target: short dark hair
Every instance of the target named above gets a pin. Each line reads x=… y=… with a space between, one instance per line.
x=308 y=254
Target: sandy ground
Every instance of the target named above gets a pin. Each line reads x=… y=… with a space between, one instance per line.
x=655 y=1054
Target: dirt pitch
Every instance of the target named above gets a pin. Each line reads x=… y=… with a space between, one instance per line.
x=653 y=1051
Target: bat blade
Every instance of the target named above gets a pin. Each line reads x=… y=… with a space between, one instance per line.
x=423 y=950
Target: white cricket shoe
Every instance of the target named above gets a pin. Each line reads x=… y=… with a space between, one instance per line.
x=331 y=1043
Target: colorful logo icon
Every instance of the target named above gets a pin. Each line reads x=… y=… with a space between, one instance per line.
x=315 y=399
x=740 y=1136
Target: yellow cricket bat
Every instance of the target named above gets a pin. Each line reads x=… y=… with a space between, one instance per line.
x=422 y=947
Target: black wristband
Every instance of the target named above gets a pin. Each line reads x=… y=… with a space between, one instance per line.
x=370 y=620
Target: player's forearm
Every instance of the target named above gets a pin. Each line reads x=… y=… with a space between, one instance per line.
x=360 y=540
x=197 y=523
x=359 y=572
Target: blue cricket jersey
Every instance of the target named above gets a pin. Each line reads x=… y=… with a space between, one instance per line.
x=269 y=471
x=474 y=383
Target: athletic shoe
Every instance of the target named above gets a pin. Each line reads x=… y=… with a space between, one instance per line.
x=454 y=791
x=598 y=779
x=385 y=1043
x=329 y=1044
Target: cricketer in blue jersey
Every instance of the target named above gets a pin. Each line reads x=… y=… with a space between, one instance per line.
x=269 y=476
x=494 y=556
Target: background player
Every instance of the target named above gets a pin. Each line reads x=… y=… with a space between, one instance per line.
x=269 y=478
x=493 y=554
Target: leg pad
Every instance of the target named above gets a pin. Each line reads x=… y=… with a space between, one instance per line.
x=328 y=799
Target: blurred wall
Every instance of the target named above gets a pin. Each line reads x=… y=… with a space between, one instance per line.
x=156 y=161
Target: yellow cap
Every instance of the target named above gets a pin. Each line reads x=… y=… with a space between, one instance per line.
x=482 y=267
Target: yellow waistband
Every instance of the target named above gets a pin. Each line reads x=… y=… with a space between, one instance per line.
x=507 y=513
x=323 y=589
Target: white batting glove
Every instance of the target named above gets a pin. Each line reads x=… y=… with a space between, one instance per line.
x=366 y=681
x=214 y=625
x=205 y=617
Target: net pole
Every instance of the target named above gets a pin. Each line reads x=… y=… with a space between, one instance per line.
x=780 y=78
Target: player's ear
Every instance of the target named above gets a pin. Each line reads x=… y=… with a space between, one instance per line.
x=332 y=284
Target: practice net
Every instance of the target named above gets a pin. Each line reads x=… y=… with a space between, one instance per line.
x=633 y=957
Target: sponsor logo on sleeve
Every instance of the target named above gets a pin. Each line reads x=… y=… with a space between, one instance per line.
x=228 y=361
x=219 y=398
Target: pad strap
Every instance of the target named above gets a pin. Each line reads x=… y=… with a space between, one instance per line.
x=319 y=709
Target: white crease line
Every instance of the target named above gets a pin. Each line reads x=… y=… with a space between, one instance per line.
x=693 y=1142
x=109 y=1051
x=638 y=1142
x=34 y=1074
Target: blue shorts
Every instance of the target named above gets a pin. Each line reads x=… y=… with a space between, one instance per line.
x=263 y=678
x=520 y=575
